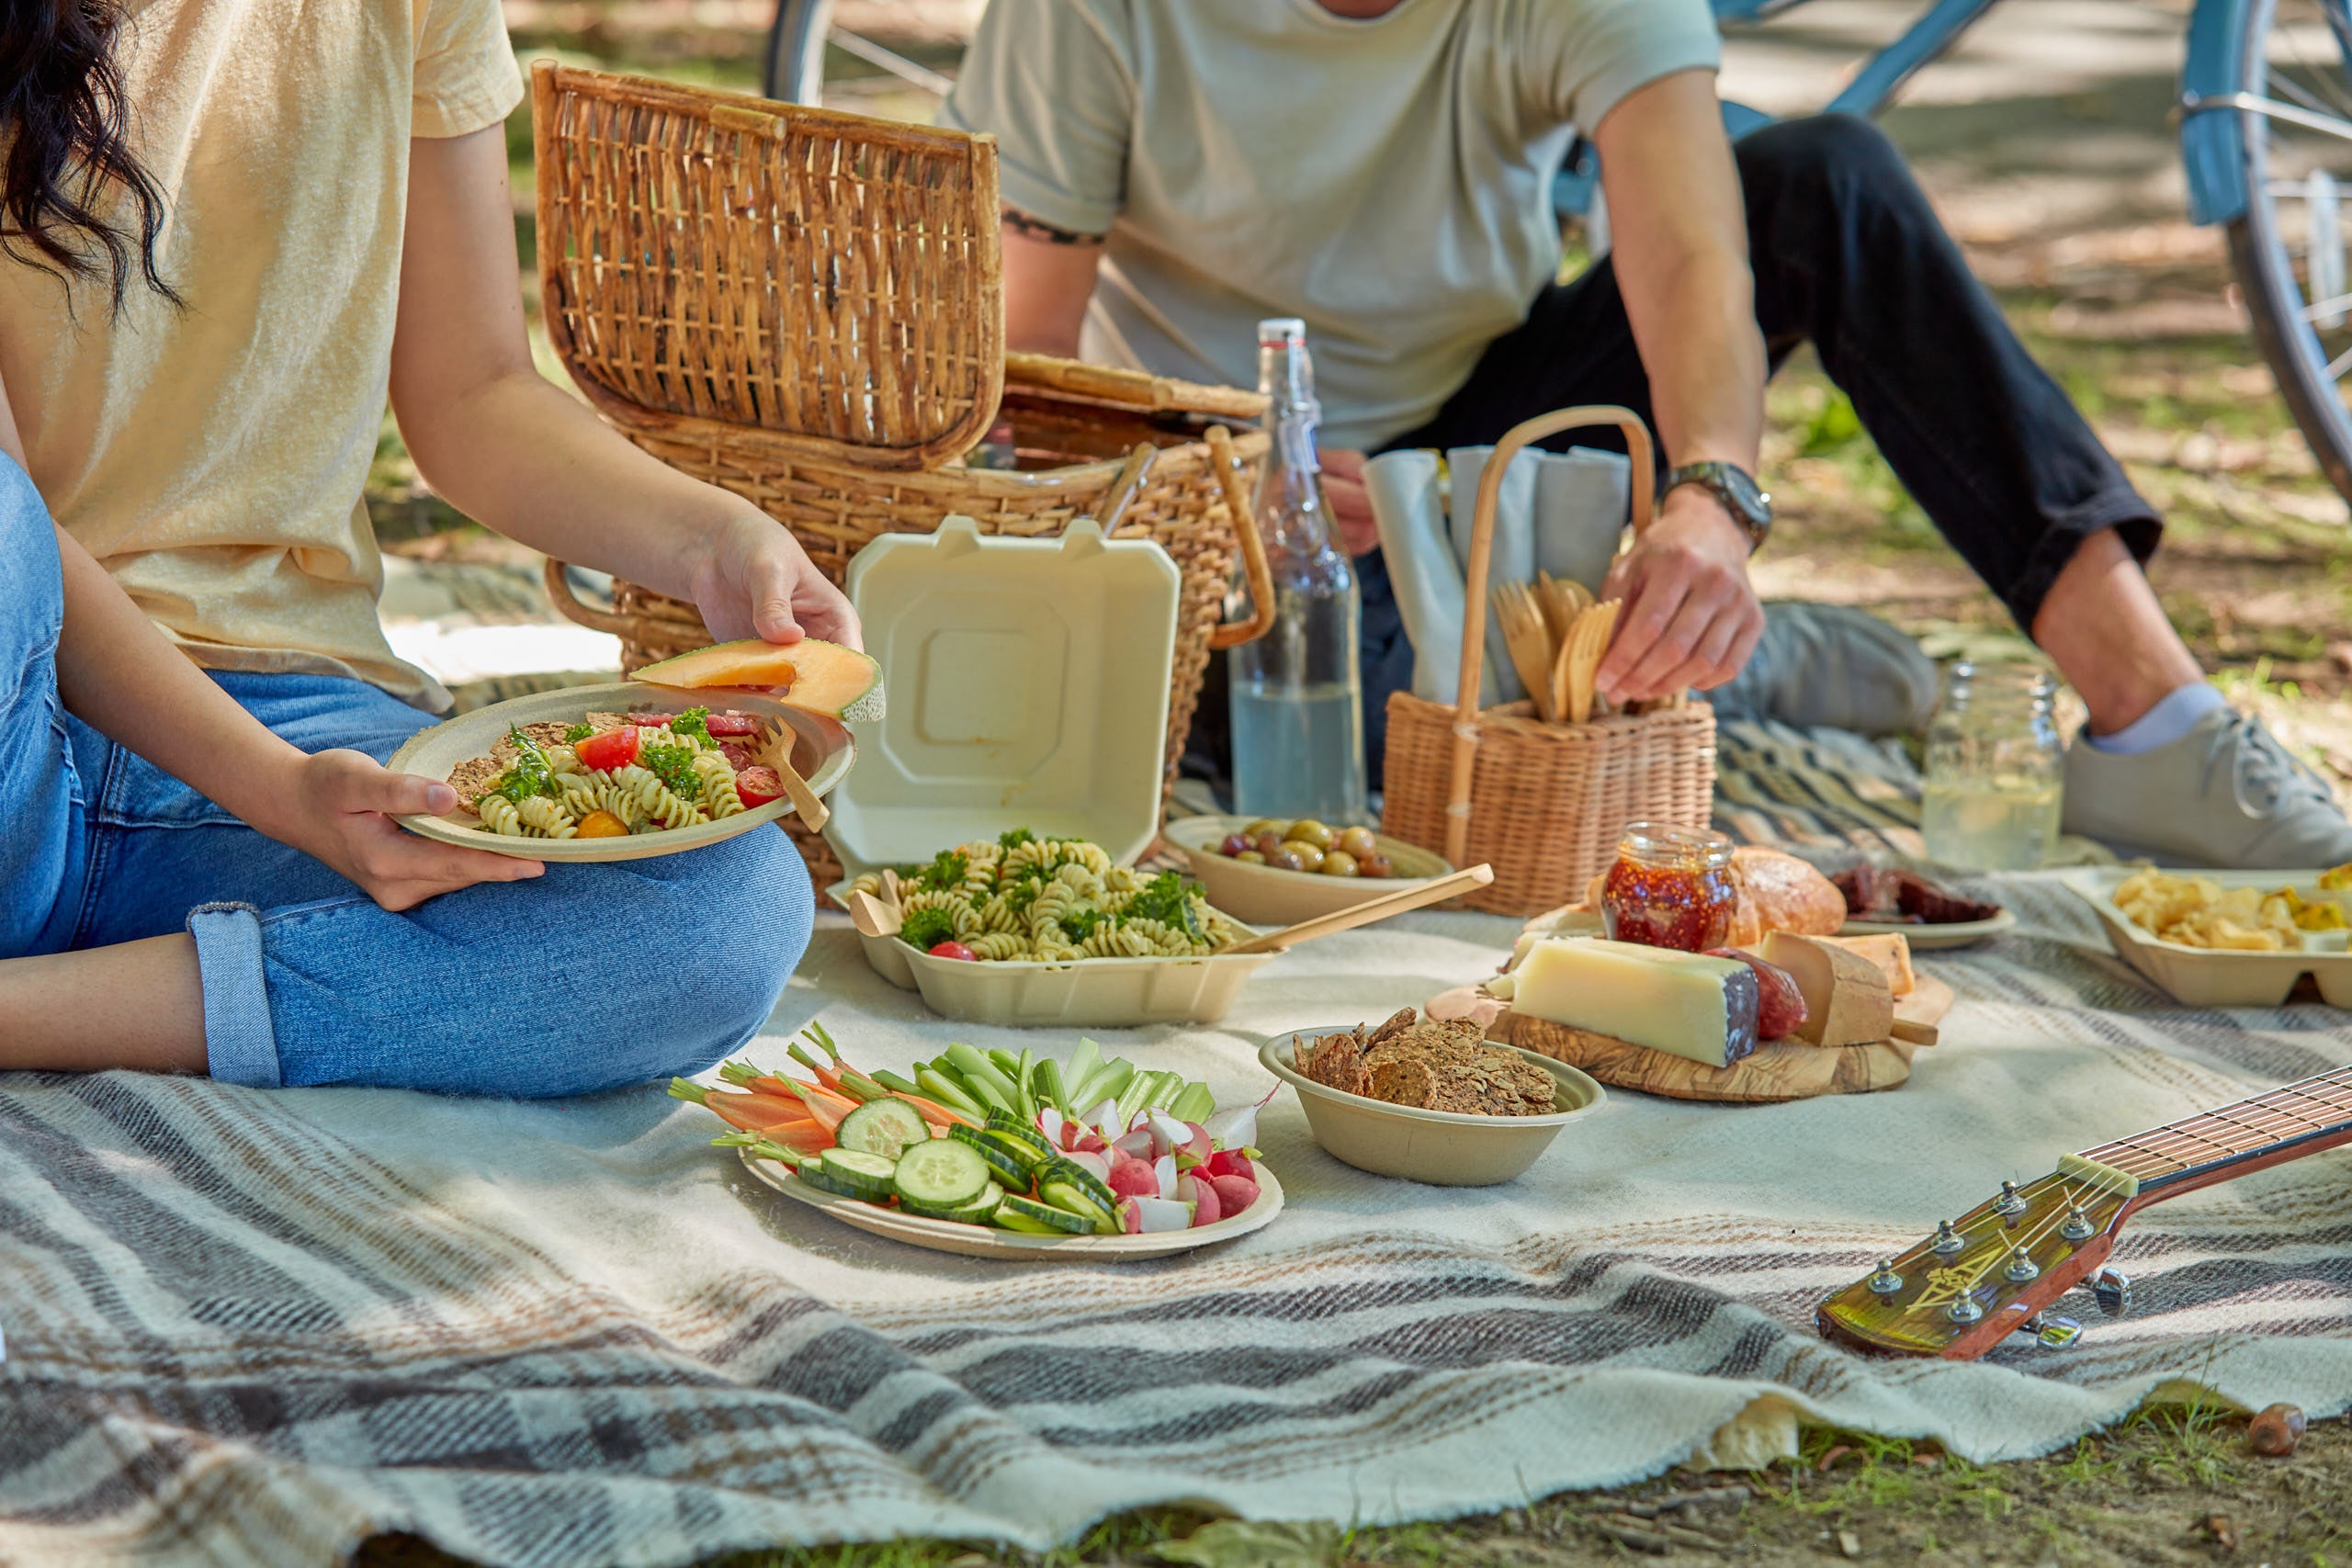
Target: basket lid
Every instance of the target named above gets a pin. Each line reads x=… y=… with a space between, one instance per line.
x=1028 y=682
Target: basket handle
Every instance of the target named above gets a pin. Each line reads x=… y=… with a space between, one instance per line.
x=1482 y=541
x=568 y=606
x=1255 y=571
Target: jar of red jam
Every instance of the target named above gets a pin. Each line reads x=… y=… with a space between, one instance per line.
x=1670 y=887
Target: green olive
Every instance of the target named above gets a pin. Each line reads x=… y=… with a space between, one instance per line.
x=1263 y=825
x=1307 y=830
x=1375 y=865
x=1359 y=842
x=1250 y=857
x=1287 y=859
x=1310 y=854
x=1339 y=863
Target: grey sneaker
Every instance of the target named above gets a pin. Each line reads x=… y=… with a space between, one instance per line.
x=1831 y=665
x=2227 y=796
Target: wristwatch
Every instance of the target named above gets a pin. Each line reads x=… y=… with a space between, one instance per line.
x=1736 y=488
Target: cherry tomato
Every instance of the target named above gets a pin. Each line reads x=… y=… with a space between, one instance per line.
x=602 y=825
x=950 y=950
x=757 y=786
x=612 y=749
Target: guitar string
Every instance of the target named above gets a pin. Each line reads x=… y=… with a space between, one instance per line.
x=2284 y=1124
x=2100 y=1193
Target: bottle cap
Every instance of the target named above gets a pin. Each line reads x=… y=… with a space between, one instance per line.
x=1281 y=330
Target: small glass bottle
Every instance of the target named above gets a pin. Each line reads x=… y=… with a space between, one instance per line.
x=1670 y=887
x=1297 y=695
x=1992 y=791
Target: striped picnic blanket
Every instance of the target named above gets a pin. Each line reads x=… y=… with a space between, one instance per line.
x=253 y=1328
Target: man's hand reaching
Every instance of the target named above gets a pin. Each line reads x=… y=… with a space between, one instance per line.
x=1691 y=617
x=1351 y=505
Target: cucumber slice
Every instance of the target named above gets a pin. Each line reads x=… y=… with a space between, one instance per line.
x=974 y=1213
x=866 y=1175
x=1028 y=1151
x=945 y=1173
x=1074 y=1201
x=885 y=1127
x=813 y=1172
x=1008 y=1166
x=1012 y=1129
x=1075 y=1175
x=1018 y=1214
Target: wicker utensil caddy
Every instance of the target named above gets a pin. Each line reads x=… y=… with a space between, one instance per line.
x=1544 y=804
x=804 y=308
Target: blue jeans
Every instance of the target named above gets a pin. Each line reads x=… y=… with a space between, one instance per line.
x=586 y=978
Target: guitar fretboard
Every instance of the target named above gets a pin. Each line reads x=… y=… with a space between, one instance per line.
x=2314 y=1110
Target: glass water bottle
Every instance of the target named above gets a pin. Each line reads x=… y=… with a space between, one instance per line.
x=1991 y=794
x=1297 y=693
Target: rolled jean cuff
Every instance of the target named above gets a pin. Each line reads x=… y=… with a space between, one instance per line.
x=2122 y=509
x=239 y=1045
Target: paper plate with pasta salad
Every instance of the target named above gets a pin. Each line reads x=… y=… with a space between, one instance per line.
x=619 y=771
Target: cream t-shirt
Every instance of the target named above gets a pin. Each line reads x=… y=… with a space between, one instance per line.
x=1387 y=180
x=214 y=459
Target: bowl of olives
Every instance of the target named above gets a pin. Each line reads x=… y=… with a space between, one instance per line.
x=1275 y=872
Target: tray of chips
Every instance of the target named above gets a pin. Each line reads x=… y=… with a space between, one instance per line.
x=2227 y=938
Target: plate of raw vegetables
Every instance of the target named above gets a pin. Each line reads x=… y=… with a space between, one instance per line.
x=993 y=1153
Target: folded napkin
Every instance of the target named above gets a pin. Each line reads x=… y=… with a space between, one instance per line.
x=1558 y=511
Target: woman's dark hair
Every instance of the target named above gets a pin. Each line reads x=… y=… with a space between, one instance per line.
x=62 y=122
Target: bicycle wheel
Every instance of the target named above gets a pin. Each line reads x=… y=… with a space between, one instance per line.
x=794 y=69
x=2288 y=247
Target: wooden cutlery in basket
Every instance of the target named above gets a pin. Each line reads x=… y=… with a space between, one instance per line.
x=1529 y=638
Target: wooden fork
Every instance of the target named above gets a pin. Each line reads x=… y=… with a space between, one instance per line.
x=1521 y=620
x=1561 y=602
x=1580 y=656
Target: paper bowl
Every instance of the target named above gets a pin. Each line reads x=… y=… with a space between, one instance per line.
x=1085 y=993
x=1268 y=895
x=1439 y=1147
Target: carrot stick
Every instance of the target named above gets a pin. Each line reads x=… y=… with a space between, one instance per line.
x=938 y=1115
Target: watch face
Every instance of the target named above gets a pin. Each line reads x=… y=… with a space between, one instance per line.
x=1747 y=498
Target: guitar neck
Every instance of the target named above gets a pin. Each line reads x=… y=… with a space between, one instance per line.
x=2196 y=1151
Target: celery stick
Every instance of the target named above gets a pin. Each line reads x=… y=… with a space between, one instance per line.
x=980 y=1073
x=1192 y=1103
x=948 y=1092
x=1108 y=1083
x=1082 y=1063
x=1045 y=1084
x=892 y=1081
x=1025 y=1097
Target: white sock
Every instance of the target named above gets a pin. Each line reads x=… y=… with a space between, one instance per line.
x=2174 y=715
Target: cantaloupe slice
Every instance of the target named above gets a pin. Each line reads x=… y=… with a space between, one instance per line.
x=821 y=677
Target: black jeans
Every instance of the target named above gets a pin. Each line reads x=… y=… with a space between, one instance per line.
x=1848 y=255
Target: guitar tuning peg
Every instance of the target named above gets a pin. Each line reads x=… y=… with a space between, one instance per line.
x=2051 y=1332
x=1948 y=1240
x=2078 y=1227
x=2011 y=1201
x=1886 y=1281
x=2112 y=1289
x=2021 y=1267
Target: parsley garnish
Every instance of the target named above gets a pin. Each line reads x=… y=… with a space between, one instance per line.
x=1013 y=840
x=694 y=722
x=1167 y=898
x=578 y=733
x=530 y=773
x=674 y=765
x=1080 y=923
x=948 y=869
x=926 y=929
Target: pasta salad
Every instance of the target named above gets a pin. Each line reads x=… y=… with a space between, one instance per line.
x=616 y=774
x=1022 y=898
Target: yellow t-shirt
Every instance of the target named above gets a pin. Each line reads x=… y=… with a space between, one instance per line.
x=214 y=458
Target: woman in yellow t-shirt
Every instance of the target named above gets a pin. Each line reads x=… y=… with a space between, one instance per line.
x=228 y=231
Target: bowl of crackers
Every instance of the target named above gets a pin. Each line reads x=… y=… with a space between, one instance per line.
x=1429 y=1100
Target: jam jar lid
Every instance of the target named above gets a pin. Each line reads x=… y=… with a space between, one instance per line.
x=1663 y=844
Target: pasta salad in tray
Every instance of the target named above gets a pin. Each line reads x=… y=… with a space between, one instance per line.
x=613 y=774
x=1021 y=899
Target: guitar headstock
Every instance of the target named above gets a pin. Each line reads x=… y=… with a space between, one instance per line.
x=1984 y=1276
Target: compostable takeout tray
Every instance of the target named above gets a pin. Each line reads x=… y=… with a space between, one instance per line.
x=2202 y=976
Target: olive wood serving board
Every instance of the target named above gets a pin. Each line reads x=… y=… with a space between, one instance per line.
x=1777 y=1070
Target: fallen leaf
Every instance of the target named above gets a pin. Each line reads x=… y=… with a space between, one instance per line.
x=2224 y=1533
x=1849 y=1543
x=1251 y=1543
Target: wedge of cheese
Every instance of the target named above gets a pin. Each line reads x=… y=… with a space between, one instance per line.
x=1891 y=951
x=1685 y=1004
x=1847 y=1000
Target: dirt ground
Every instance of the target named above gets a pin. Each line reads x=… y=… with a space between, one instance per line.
x=2045 y=144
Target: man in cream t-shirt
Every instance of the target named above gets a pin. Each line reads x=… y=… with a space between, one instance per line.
x=1175 y=169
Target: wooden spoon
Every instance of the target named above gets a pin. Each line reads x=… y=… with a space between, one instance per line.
x=1435 y=891
x=871 y=916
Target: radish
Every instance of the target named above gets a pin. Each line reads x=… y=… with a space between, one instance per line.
x=1137 y=1144
x=1101 y=1116
x=1130 y=1217
x=1200 y=1145
x=1238 y=1128
x=1234 y=1193
x=1168 y=1134
x=1203 y=1197
x=1083 y=1140
x=1093 y=1164
x=1049 y=1122
x=1230 y=1162
x=1154 y=1215
x=1134 y=1178
x=1163 y=1170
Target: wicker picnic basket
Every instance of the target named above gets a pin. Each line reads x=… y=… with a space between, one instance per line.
x=1544 y=804
x=806 y=308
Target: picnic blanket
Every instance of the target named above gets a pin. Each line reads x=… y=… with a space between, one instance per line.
x=253 y=1328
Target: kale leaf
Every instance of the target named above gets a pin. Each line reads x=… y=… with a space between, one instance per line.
x=1013 y=838
x=578 y=733
x=1167 y=898
x=925 y=929
x=674 y=766
x=948 y=869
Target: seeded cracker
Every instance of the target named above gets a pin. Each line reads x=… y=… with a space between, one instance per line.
x=1432 y=1065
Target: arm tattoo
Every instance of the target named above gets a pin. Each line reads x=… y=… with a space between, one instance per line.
x=1038 y=228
